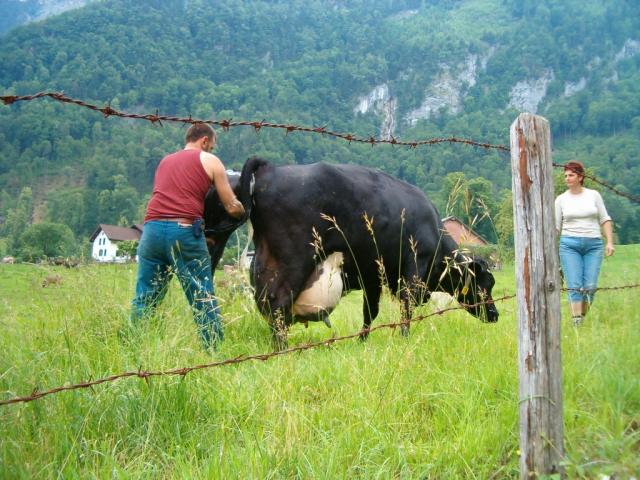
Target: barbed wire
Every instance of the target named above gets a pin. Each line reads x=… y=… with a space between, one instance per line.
x=633 y=198
x=582 y=289
x=145 y=375
x=226 y=124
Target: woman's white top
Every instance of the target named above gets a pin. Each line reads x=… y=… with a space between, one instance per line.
x=581 y=214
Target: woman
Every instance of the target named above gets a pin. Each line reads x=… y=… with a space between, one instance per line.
x=580 y=215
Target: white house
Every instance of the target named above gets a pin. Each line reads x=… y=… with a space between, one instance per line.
x=105 y=241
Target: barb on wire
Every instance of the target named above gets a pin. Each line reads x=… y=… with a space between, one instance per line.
x=633 y=198
x=225 y=124
x=146 y=375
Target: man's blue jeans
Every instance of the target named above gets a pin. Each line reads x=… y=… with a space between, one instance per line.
x=581 y=258
x=167 y=248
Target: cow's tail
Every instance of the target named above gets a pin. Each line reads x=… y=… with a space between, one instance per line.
x=247 y=180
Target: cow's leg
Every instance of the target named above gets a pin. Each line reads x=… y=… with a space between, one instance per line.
x=274 y=293
x=273 y=308
x=370 y=307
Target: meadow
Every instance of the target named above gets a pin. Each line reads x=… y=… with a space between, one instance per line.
x=442 y=403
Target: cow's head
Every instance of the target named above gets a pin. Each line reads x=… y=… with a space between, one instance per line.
x=219 y=225
x=474 y=289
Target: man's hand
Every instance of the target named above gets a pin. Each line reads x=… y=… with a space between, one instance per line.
x=235 y=208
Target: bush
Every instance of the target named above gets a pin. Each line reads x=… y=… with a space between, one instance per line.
x=127 y=248
x=45 y=240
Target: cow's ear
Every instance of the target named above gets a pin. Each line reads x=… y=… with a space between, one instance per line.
x=479 y=265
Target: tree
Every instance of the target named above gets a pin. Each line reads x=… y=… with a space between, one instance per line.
x=67 y=206
x=504 y=220
x=127 y=248
x=119 y=203
x=45 y=240
x=18 y=219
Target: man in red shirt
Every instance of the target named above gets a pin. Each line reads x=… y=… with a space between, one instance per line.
x=172 y=240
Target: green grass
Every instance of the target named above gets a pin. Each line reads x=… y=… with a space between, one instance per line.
x=441 y=404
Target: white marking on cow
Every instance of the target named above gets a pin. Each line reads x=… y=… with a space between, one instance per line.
x=441 y=300
x=323 y=289
x=245 y=250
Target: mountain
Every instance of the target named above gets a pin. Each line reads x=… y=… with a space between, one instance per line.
x=14 y=13
x=410 y=69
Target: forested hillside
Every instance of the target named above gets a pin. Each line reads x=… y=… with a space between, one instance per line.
x=409 y=69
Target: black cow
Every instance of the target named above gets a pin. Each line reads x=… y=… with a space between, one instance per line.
x=322 y=230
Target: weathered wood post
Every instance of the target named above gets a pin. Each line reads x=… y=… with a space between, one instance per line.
x=538 y=298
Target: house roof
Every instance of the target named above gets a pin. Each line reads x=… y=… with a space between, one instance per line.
x=116 y=233
x=461 y=233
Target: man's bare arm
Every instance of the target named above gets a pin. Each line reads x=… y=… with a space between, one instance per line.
x=216 y=171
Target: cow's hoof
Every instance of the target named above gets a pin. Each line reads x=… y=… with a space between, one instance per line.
x=364 y=336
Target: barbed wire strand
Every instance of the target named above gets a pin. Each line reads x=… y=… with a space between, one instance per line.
x=109 y=111
x=35 y=394
x=623 y=287
x=226 y=124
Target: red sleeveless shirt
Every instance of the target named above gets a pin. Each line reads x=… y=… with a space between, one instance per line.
x=179 y=187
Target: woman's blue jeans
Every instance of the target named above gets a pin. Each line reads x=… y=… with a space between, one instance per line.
x=168 y=248
x=581 y=258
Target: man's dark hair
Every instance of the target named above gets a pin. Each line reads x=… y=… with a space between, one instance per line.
x=199 y=130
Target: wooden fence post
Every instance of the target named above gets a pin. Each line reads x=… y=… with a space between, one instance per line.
x=538 y=298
